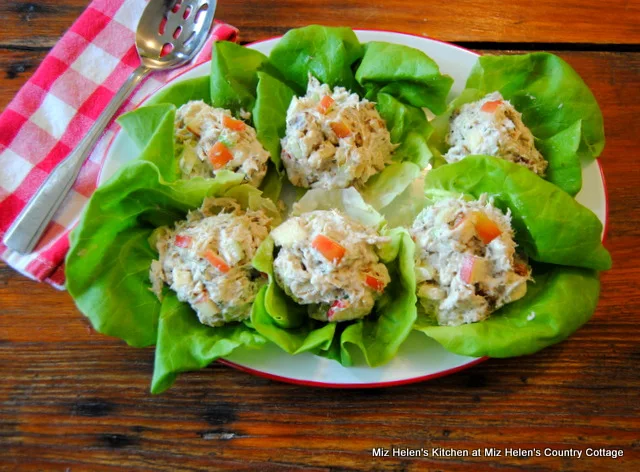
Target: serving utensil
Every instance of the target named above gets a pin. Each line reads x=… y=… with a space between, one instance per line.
x=169 y=35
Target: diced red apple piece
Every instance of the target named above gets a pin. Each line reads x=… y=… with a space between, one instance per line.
x=341 y=130
x=464 y=227
x=219 y=155
x=232 y=124
x=331 y=250
x=459 y=220
x=490 y=107
x=486 y=228
x=337 y=306
x=183 y=241
x=325 y=104
x=194 y=130
x=204 y=297
x=374 y=282
x=472 y=269
x=289 y=233
x=216 y=261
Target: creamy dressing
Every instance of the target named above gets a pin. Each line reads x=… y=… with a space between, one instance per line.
x=337 y=289
x=497 y=131
x=333 y=146
x=206 y=260
x=198 y=127
x=461 y=278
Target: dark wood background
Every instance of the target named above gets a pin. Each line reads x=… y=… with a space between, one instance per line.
x=71 y=399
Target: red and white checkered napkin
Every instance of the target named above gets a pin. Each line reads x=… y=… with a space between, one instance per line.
x=57 y=106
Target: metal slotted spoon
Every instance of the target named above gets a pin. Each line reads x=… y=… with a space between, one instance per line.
x=169 y=34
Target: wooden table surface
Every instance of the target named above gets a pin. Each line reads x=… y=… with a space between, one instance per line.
x=71 y=399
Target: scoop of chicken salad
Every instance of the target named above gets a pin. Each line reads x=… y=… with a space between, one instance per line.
x=212 y=140
x=492 y=126
x=206 y=260
x=333 y=139
x=329 y=261
x=466 y=260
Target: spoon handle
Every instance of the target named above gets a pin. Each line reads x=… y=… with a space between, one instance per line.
x=27 y=229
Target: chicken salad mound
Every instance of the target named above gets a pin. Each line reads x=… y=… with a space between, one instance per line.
x=212 y=139
x=206 y=260
x=466 y=261
x=492 y=126
x=329 y=262
x=333 y=139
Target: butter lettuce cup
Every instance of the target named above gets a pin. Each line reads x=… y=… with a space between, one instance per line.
x=323 y=108
x=530 y=109
x=505 y=262
x=357 y=115
x=230 y=120
x=340 y=282
x=169 y=263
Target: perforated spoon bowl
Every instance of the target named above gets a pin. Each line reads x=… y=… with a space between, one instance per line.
x=169 y=34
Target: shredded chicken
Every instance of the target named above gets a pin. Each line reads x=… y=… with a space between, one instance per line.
x=493 y=127
x=333 y=139
x=206 y=260
x=199 y=127
x=466 y=260
x=337 y=284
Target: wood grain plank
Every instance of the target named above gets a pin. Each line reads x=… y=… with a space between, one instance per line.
x=39 y=23
x=15 y=69
x=237 y=417
x=465 y=20
x=71 y=398
x=526 y=21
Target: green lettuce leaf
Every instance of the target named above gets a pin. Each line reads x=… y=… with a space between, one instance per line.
x=270 y=113
x=550 y=225
x=403 y=203
x=240 y=80
x=380 y=338
x=406 y=73
x=107 y=267
x=282 y=321
x=562 y=150
x=547 y=91
x=198 y=88
x=384 y=188
x=409 y=128
x=234 y=76
x=556 y=105
x=399 y=79
x=185 y=344
x=271 y=185
x=556 y=304
x=328 y=53
x=379 y=335
x=349 y=201
x=151 y=128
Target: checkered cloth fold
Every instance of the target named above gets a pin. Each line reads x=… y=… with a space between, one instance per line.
x=57 y=106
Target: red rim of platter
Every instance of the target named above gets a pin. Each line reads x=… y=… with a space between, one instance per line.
x=393 y=383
